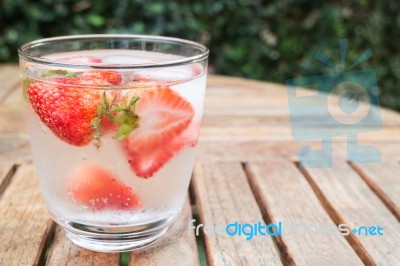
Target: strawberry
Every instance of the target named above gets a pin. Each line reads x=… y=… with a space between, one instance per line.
x=81 y=59
x=146 y=162
x=112 y=77
x=99 y=189
x=68 y=108
x=163 y=116
x=93 y=78
x=190 y=136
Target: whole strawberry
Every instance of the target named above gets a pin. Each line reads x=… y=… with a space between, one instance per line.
x=68 y=107
x=66 y=110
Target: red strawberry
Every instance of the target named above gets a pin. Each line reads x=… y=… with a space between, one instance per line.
x=97 y=188
x=197 y=69
x=66 y=110
x=146 y=162
x=81 y=59
x=112 y=77
x=92 y=78
x=190 y=136
x=108 y=126
x=163 y=115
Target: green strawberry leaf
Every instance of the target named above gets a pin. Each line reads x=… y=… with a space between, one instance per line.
x=122 y=114
x=123 y=131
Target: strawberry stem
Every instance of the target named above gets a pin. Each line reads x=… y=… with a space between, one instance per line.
x=122 y=114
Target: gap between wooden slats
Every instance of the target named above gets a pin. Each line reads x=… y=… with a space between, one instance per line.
x=6 y=172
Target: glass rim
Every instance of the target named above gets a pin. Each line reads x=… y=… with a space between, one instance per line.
x=190 y=59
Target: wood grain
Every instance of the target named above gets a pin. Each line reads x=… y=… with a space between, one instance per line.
x=12 y=115
x=10 y=80
x=281 y=120
x=224 y=196
x=15 y=149
x=251 y=150
x=25 y=225
x=177 y=247
x=383 y=179
x=228 y=96
x=349 y=200
x=64 y=252
x=284 y=133
x=286 y=197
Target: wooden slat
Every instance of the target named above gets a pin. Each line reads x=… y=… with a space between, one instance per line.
x=227 y=96
x=10 y=79
x=64 y=252
x=270 y=120
x=284 y=133
x=261 y=150
x=177 y=247
x=350 y=201
x=15 y=149
x=287 y=197
x=25 y=224
x=383 y=179
x=224 y=196
x=12 y=115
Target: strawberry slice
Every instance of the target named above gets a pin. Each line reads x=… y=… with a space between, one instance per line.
x=147 y=162
x=163 y=115
x=190 y=136
x=81 y=59
x=99 y=189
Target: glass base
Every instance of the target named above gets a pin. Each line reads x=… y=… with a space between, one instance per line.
x=116 y=239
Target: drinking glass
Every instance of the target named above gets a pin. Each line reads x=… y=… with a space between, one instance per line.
x=114 y=123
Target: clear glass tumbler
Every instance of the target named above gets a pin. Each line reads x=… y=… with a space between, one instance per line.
x=114 y=122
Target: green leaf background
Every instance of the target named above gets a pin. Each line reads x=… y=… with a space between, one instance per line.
x=265 y=40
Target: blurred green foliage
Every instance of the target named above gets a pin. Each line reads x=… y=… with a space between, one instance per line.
x=266 y=40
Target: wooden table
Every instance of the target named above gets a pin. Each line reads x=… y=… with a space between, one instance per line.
x=247 y=171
